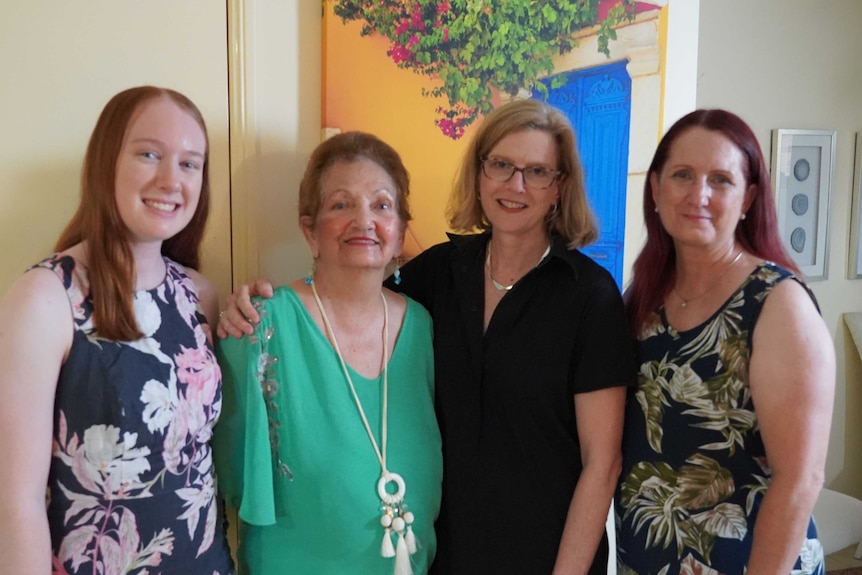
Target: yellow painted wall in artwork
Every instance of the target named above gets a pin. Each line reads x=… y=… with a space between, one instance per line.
x=365 y=90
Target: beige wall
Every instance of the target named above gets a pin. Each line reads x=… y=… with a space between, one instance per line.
x=275 y=124
x=61 y=62
x=795 y=64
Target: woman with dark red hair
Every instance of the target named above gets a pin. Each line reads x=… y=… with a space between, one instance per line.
x=726 y=432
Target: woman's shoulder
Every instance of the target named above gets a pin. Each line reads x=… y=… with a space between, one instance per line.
x=284 y=303
x=588 y=274
x=41 y=278
x=772 y=272
x=769 y=275
x=456 y=243
x=200 y=288
x=771 y=280
x=67 y=267
x=416 y=310
x=61 y=263
x=38 y=301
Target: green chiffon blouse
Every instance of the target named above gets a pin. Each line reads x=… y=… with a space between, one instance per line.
x=293 y=456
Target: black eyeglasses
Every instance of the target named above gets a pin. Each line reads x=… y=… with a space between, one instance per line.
x=534 y=176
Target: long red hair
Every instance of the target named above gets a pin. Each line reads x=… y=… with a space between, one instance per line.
x=654 y=271
x=110 y=264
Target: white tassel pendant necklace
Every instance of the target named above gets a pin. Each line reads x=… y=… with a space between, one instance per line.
x=395 y=519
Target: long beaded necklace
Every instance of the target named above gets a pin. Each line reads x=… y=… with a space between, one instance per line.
x=685 y=301
x=395 y=516
x=497 y=285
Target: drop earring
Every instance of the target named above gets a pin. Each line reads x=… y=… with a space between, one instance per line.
x=397 y=273
x=309 y=279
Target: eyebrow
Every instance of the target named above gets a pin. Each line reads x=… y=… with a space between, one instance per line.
x=161 y=143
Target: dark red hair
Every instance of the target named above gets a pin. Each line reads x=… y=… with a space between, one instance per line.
x=110 y=264
x=654 y=271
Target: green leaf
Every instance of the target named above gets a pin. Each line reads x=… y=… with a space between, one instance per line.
x=703 y=483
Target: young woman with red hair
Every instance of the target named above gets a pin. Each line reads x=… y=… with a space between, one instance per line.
x=109 y=389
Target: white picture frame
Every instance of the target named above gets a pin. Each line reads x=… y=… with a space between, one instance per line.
x=803 y=165
x=854 y=262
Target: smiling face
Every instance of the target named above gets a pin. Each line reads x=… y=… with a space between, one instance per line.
x=513 y=207
x=357 y=224
x=159 y=171
x=702 y=190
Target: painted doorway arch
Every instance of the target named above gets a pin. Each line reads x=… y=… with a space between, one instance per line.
x=598 y=104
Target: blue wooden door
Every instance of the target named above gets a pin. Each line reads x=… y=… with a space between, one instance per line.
x=598 y=104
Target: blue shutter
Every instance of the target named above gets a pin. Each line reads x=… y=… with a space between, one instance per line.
x=598 y=104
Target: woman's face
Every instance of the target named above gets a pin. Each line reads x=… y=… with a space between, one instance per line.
x=159 y=171
x=702 y=192
x=357 y=225
x=514 y=207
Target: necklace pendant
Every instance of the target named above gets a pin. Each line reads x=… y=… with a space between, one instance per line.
x=497 y=285
x=387 y=498
x=395 y=518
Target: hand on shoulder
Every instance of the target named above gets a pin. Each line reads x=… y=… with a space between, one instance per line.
x=239 y=316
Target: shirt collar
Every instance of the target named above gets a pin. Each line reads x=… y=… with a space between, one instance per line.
x=473 y=244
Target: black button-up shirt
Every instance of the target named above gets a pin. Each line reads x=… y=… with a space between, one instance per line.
x=505 y=398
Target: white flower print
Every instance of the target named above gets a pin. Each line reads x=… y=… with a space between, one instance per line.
x=199 y=499
x=147 y=313
x=102 y=463
x=158 y=405
x=119 y=463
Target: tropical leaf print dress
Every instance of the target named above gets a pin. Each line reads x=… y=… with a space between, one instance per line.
x=694 y=465
x=131 y=486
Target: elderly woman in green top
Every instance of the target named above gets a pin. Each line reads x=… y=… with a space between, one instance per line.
x=328 y=444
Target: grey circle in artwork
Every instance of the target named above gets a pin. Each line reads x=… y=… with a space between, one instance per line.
x=799 y=204
x=801 y=169
x=797 y=240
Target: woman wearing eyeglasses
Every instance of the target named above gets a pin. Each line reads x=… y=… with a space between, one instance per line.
x=532 y=355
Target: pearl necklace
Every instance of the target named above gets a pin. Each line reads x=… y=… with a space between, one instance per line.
x=497 y=285
x=395 y=516
x=711 y=286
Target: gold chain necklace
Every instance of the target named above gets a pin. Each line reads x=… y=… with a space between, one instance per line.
x=497 y=285
x=395 y=516
x=685 y=301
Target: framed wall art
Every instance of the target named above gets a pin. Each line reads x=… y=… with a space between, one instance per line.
x=854 y=268
x=802 y=173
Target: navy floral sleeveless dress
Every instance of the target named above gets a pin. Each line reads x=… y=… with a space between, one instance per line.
x=694 y=465
x=131 y=486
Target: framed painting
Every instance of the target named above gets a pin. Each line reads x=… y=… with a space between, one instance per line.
x=423 y=74
x=802 y=174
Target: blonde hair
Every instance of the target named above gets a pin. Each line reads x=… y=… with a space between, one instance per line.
x=573 y=219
